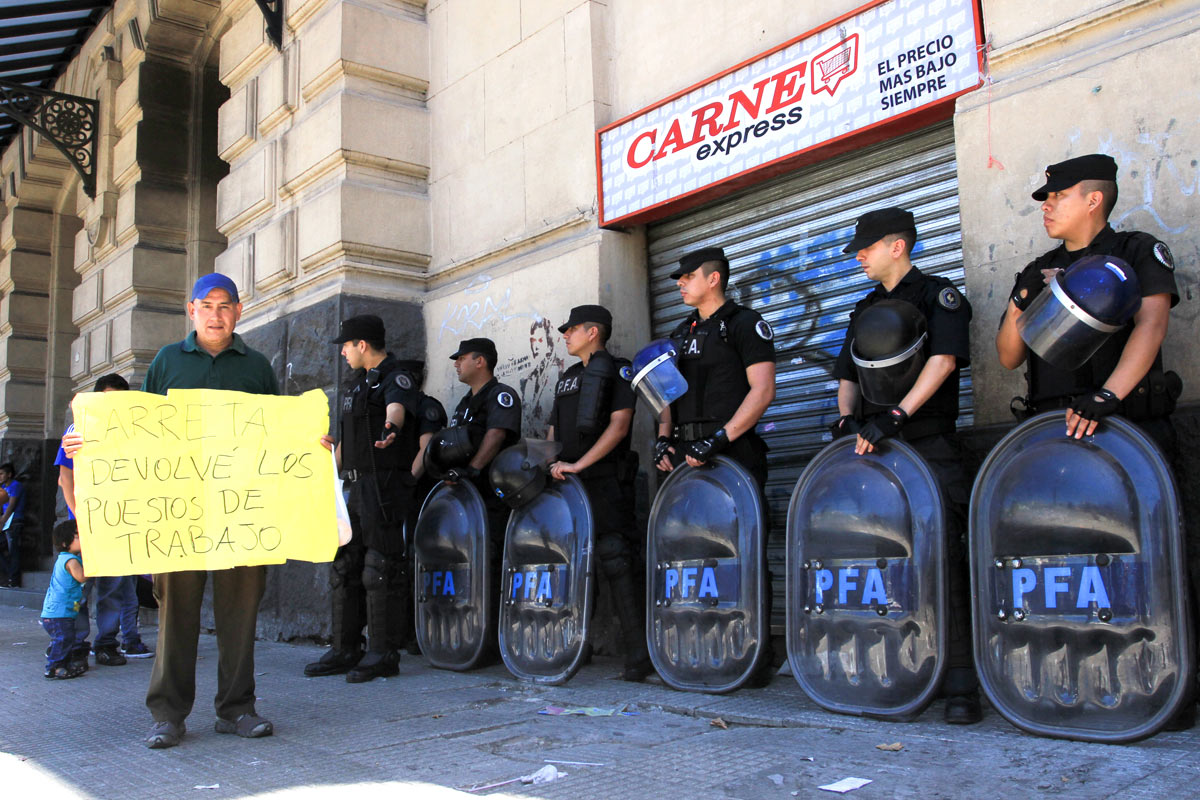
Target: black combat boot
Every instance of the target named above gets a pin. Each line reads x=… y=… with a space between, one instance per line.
x=382 y=659
x=627 y=602
x=333 y=662
x=346 y=644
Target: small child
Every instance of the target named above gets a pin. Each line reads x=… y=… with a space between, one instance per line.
x=62 y=602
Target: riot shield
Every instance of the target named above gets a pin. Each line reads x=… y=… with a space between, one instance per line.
x=705 y=582
x=452 y=585
x=546 y=584
x=866 y=581
x=1081 y=622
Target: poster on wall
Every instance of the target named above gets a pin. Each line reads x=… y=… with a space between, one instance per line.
x=883 y=62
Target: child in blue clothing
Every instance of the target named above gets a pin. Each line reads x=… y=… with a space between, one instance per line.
x=62 y=602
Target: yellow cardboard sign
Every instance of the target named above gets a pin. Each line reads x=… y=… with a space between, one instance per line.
x=202 y=479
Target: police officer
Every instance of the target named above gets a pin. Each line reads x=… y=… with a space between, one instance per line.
x=727 y=354
x=925 y=416
x=593 y=417
x=1126 y=375
x=492 y=411
x=380 y=404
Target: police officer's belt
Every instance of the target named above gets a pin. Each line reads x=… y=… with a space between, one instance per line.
x=691 y=431
x=355 y=475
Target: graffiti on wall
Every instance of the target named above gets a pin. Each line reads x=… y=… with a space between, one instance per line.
x=483 y=309
x=533 y=375
x=479 y=307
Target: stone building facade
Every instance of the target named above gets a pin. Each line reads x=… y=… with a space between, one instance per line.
x=436 y=162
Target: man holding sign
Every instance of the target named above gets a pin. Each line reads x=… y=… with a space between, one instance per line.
x=211 y=357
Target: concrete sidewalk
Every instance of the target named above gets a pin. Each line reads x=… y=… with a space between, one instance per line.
x=430 y=732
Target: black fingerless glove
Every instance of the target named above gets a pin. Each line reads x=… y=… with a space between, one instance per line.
x=1096 y=405
x=1027 y=287
x=456 y=474
x=884 y=425
x=846 y=425
x=704 y=449
x=662 y=448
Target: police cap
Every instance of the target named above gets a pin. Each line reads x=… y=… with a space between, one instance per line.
x=485 y=347
x=874 y=225
x=597 y=314
x=364 y=326
x=694 y=259
x=1065 y=174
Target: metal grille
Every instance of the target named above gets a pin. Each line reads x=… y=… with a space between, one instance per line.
x=784 y=241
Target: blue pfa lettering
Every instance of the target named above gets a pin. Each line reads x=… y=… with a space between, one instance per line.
x=532 y=585
x=690 y=583
x=439 y=583
x=1080 y=587
x=854 y=587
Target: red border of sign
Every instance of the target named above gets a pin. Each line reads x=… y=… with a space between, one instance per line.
x=911 y=120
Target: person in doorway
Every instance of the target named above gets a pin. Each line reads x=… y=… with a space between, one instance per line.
x=12 y=522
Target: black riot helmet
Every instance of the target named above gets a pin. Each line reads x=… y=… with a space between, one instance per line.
x=449 y=447
x=889 y=350
x=518 y=473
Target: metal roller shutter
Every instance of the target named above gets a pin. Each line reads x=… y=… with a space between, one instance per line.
x=784 y=241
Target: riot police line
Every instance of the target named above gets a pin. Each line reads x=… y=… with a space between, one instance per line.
x=1055 y=583
x=1079 y=609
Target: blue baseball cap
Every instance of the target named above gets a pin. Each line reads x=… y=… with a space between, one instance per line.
x=214 y=281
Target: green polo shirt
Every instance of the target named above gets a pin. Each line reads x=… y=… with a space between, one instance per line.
x=185 y=365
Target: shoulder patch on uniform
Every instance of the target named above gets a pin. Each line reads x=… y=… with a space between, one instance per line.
x=764 y=330
x=626 y=373
x=403 y=381
x=1163 y=254
x=949 y=298
x=505 y=399
x=432 y=414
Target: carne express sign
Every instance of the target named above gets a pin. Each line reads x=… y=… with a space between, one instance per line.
x=886 y=60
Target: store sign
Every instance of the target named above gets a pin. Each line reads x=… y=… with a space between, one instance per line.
x=887 y=60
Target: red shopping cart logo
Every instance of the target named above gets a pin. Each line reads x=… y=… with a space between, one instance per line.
x=834 y=65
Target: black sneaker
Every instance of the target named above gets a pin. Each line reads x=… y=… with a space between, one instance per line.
x=109 y=656
x=136 y=650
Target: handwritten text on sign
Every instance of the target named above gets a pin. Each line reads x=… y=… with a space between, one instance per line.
x=202 y=479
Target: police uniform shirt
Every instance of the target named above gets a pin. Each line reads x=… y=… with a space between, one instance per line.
x=365 y=399
x=947 y=318
x=713 y=356
x=495 y=406
x=1151 y=261
x=564 y=417
x=431 y=417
